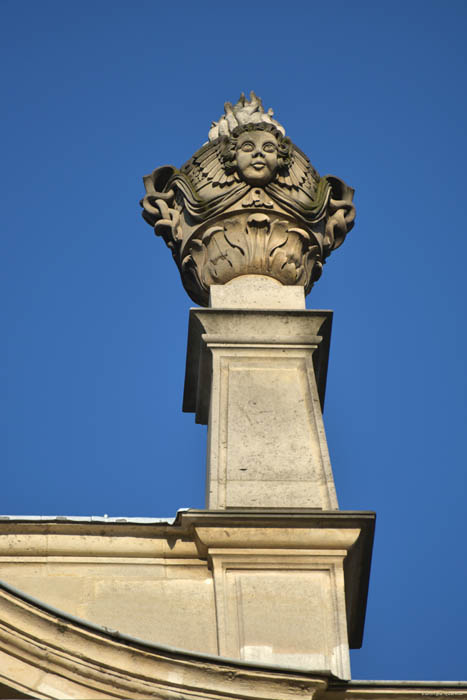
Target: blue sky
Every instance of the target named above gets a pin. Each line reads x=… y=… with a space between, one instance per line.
x=96 y=94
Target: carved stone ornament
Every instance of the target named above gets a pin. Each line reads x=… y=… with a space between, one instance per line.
x=248 y=202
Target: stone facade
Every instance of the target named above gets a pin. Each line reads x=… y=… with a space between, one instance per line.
x=204 y=582
x=157 y=584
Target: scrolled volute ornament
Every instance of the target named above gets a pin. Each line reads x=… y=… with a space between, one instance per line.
x=248 y=202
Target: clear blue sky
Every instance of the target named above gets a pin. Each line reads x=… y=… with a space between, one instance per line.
x=96 y=94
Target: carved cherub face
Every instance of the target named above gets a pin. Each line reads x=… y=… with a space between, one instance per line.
x=256 y=157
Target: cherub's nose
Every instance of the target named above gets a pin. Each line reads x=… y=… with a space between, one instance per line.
x=258 y=152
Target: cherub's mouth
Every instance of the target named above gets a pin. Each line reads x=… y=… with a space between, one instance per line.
x=258 y=166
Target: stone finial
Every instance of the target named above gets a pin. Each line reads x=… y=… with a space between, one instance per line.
x=244 y=112
x=249 y=202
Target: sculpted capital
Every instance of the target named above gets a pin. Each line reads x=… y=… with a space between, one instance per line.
x=248 y=202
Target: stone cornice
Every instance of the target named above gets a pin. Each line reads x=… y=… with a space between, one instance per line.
x=48 y=654
x=396 y=690
x=68 y=538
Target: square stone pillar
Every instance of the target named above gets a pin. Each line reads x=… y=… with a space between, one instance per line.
x=290 y=570
x=256 y=376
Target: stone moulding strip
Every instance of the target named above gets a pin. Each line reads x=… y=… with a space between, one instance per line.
x=68 y=537
x=395 y=690
x=265 y=341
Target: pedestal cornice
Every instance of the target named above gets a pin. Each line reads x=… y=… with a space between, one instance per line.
x=295 y=531
x=287 y=327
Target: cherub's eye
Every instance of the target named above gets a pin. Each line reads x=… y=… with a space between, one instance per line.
x=269 y=147
x=247 y=146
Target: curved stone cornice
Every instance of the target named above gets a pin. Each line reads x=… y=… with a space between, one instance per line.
x=45 y=653
x=50 y=654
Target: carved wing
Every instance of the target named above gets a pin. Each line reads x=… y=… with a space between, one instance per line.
x=206 y=167
x=299 y=174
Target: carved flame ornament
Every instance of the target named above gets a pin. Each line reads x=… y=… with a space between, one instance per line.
x=248 y=202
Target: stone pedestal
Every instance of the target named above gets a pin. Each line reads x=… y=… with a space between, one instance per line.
x=290 y=588
x=290 y=570
x=257 y=376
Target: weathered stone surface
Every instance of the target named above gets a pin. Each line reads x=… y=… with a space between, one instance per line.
x=279 y=603
x=287 y=589
x=249 y=202
x=255 y=292
x=111 y=574
x=252 y=372
x=48 y=654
